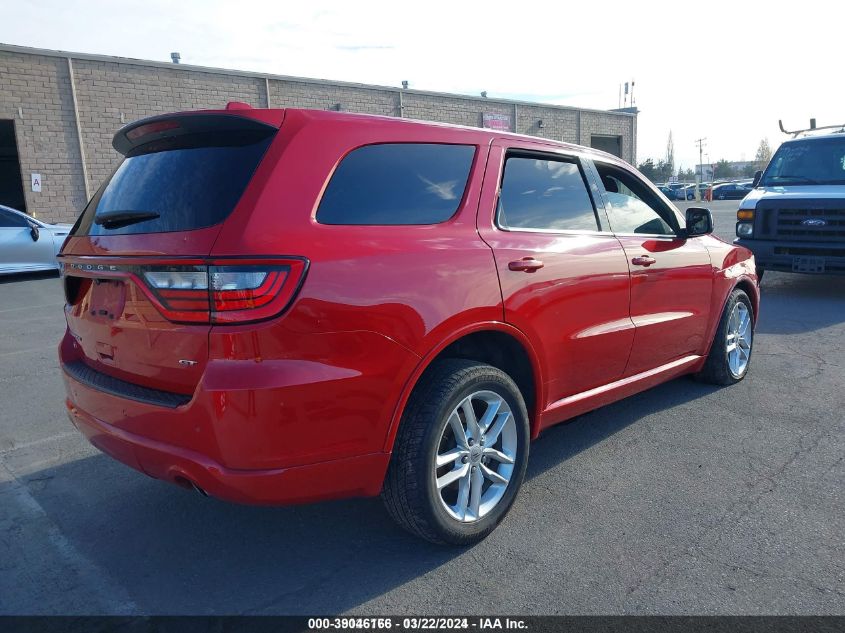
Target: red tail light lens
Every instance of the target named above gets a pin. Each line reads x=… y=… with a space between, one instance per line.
x=225 y=292
x=243 y=293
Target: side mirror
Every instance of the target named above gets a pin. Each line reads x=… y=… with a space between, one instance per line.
x=34 y=232
x=699 y=222
x=757 y=176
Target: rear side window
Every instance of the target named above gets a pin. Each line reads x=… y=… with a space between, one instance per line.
x=178 y=184
x=397 y=183
x=545 y=194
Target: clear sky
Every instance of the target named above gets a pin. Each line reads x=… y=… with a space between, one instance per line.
x=726 y=71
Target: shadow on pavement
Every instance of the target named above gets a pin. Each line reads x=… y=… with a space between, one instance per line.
x=802 y=303
x=11 y=279
x=176 y=552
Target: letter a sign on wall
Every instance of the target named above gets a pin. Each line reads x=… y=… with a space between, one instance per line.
x=36 y=183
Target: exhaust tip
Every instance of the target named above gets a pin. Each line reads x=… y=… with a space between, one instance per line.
x=186 y=483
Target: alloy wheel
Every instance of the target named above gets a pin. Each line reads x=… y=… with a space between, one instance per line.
x=475 y=457
x=739 y=339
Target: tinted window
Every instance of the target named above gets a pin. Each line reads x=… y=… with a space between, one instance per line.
x=397 y=183
x=545 y=194
x=633 y=206
x=808 y=162
x=189 y=182
x=12 y=220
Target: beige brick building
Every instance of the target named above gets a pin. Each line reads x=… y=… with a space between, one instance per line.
x=59 y=111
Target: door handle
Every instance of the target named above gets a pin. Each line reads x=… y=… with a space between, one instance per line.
x=526 y=265
x=643 y=260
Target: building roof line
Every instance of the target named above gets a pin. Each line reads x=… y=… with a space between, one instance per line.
x=27 y=50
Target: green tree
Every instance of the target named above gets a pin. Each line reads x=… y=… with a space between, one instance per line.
x=648 y=169
x=686 y=175
x=763 y=155
x=748 y=170
x=723 y=169
x=670 y=155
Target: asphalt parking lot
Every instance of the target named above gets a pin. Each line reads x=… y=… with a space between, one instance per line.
x=684 y=499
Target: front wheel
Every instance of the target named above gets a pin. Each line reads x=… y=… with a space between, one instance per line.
x=730 y=355
x=460 y=455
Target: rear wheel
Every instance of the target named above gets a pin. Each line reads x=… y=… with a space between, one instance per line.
x=730 y=355
x=460 y=455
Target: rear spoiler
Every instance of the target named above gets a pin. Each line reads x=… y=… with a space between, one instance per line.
x=163 y=126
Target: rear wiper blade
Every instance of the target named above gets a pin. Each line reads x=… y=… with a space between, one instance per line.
x=118 y=219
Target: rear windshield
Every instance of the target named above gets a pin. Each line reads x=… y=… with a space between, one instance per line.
x=808 y=162
x=397 y=183
x=177 y=184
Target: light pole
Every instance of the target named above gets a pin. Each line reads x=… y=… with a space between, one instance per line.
x=700 y=142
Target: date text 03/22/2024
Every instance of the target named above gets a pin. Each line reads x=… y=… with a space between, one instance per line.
x=420 y=623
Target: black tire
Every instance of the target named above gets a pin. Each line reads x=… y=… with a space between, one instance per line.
x=410 y=492
x=716 y=369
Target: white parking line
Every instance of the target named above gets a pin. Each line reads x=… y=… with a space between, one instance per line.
x=43 y=440
x=51 y=305
x=31 y=349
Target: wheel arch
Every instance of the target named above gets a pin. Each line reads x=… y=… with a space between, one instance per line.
x=498 y=344
x=749 y=287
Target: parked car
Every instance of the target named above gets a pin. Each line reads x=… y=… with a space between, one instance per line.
x=675 y=186
x=794 y=217
x=27 y=244
x=688 y=191
x=729 y=191
x=667 y=191
x=343 y=305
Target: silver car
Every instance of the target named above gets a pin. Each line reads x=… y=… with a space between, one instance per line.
x=27 y=244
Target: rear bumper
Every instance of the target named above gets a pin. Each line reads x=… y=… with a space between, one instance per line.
x=781 y=255
x=354 y=476
x=255 y=430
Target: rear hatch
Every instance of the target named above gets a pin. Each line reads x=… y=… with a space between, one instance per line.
x=137 y=277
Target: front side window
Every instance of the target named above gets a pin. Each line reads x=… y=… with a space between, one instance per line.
x=397 y=183
x=10 y=220
x=808 y=162
x=545 y=194
x=633 y=206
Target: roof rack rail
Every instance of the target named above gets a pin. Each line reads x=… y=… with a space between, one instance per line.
x=812 y=128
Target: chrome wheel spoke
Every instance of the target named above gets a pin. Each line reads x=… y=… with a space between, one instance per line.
x=489 y=415
x=452 y=476
x=499 y=456
x=493 y=434
x=493 y=476
x=475 y=490
x=471 y=421
x=463 y=497
x=450 y=456
x=458 y=429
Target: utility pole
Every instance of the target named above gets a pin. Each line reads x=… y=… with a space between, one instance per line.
x=700 y=142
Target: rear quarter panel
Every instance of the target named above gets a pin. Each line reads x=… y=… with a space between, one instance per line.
x=409 y=286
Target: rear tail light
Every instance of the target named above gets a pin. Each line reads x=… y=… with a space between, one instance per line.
x=224 y=291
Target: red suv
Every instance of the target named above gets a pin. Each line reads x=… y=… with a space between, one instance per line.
x=282 y=306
